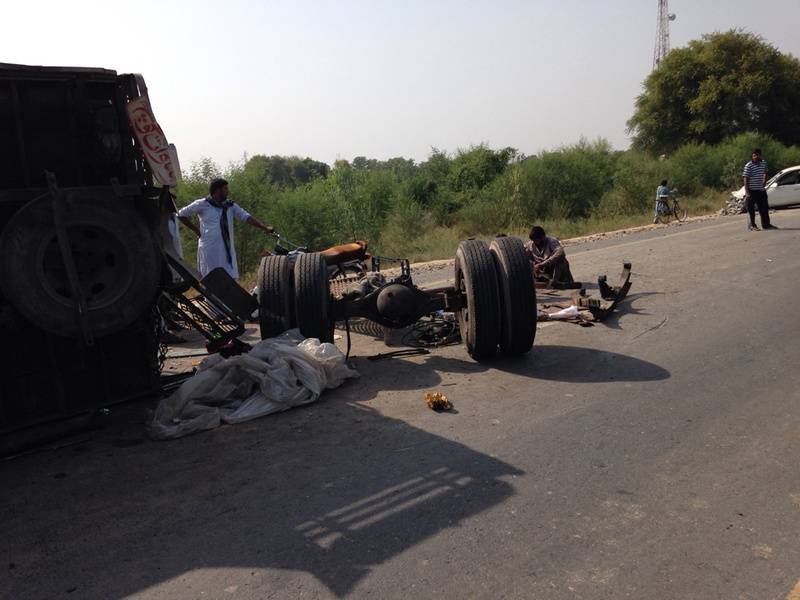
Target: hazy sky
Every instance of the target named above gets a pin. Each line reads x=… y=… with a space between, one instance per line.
x=341 y=79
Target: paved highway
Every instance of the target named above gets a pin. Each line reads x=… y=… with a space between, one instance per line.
x=654 y=456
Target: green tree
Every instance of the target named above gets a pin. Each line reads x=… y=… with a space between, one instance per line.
x=286 y=171
x=716 y=87
x=362 y=163
x=437 y=167
x=477 y=167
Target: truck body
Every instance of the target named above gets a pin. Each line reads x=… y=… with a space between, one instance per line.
x=71 y=169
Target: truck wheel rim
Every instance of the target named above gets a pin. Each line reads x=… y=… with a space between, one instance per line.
x=104 y=272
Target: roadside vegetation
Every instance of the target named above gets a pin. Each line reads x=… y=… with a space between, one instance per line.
x=684 y=129
x=422 y=210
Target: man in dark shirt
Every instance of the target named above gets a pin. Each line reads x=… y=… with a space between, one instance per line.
x=548 y=257
x=755 y=193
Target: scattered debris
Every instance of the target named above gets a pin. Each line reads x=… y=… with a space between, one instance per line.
x=762 y=551
x=187 y=355
x=570 y=312
x=566 y=314
x=277 y=374
x=659 y=326
x=611 y=296
x=585 y=310
x=433 y=331
x=734 y=206
x=438 y=401
x=399 y=353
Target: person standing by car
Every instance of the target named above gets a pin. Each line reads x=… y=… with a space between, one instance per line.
x=755 y=193
x=215 y=247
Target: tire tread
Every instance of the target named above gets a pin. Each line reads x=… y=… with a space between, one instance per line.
x=517 y=295
x=480 y=278
x=275 y=299
x=312 y=297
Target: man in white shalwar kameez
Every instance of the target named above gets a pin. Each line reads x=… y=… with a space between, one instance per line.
x=215 y=248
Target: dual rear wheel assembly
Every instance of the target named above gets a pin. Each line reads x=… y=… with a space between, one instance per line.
x=495 y=282
x=500 y=307
x=298 y=297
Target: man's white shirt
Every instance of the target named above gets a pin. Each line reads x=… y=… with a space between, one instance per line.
x=211 y=247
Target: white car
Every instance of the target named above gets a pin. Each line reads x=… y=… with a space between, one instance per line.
x=783 y=189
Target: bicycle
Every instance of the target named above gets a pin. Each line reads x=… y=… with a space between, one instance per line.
x=665 y=210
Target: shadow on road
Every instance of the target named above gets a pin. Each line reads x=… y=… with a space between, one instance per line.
x=584 y=365
x=625 y=308
x=560 y=363
x=332 y=490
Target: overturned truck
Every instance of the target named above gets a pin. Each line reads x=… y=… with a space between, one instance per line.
x=81 y=263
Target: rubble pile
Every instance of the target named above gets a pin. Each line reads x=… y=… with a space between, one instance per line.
x=733 y=206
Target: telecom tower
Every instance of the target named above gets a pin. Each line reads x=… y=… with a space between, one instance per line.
x=662 y=32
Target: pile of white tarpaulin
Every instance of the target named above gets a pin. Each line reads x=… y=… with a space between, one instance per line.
x=277 y=374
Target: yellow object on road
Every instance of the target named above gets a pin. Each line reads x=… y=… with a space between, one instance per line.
x=437 y=401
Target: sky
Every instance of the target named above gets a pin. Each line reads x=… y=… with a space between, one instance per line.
x=339 y=79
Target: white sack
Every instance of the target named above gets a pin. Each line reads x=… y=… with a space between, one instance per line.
x=277 y=374
x=566 y=313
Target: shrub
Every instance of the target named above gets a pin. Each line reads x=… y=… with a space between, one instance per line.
x=567 y=183
x=691 y=168
x=733 y=154
x=636 y=178
x=422 y=210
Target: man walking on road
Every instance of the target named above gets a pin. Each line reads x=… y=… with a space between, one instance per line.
x=755 y=193
x=215 y=248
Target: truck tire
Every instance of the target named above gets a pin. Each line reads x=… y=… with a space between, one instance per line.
x=312 y=297
x=476 y=277
x=275 y=297
x=517 y=295
x=118 y=263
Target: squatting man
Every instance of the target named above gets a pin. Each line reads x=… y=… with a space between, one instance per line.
x=215 y=247
x=548 y=257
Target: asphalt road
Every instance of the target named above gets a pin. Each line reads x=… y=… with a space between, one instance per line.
x=654 y=457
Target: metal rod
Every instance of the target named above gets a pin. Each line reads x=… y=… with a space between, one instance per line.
x=68 y=259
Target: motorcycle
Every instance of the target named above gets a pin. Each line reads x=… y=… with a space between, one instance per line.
x=347 y=264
